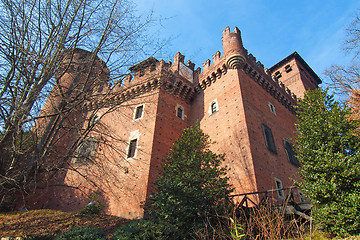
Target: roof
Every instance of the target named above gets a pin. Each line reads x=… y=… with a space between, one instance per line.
x=303 y=63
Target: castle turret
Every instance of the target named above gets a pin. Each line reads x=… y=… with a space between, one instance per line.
x=233 y=48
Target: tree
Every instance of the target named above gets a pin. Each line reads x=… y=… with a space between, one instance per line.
x=192 y=186
x=38 y=42
x=345 y=80
x=328 y=149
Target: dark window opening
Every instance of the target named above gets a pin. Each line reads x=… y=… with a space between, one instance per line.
x=278 y=74
x=132 y=148
x=269 y=139
x=272 y=108
x=213 y=107
x=180 y=113
x=139 y=111
x=288 y=68
x=141 y=73
x=291 y=154
x=279 y=186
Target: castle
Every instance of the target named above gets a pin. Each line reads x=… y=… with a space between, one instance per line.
x=247 y=110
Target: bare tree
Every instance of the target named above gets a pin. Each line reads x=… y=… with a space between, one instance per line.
x=40 y=43
x=345 y=80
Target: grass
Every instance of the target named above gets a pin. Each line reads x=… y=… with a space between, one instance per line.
x=52 y=222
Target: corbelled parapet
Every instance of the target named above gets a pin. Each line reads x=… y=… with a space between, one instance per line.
x=234 y=51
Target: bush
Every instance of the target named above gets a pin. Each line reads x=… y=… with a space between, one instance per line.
x=92 y=208
x=38 y=237
x=138 y=230
x=82 y=233
x=192 y=188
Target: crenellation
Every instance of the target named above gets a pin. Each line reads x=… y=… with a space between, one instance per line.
x=216 y=57
x=191 y=65
x=206 y=65
x=230 y=96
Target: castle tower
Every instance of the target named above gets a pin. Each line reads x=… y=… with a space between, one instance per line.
x=233 y=48
x=246 y=110
x=296 y=74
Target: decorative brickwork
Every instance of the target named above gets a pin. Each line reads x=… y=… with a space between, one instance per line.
x=230 y=99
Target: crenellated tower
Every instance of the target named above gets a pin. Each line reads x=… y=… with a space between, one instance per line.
x=247 y=110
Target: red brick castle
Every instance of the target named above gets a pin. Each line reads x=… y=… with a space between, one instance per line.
x=247 y=110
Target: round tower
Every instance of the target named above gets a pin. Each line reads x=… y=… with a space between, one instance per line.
x=233 y=48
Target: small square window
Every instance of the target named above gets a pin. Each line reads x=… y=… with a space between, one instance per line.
x=288 y=68
x=138 y=112
x=278 y=74
x=279 y=188
x=132 y=148
x=269 y=139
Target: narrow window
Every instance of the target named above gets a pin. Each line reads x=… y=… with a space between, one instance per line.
x=213 y=107
x=291 y=154
x=180 y=113
x=269 y=139
x=132 y=148
x=301 y=196
x=139 y=112
x=272 y=108
x=279 y=187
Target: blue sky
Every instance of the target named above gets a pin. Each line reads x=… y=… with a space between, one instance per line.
x=271 y=29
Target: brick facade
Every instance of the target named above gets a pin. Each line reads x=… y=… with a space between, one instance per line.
x=247 y=110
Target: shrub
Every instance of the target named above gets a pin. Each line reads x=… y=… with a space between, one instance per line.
x=192 y=187
x=138 y=230
x=38 y=237
x=82 y=233
x=92 y=208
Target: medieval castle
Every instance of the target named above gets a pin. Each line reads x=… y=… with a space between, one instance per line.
x=247 y=110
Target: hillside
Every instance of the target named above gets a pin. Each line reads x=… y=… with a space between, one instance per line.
x=52 y=222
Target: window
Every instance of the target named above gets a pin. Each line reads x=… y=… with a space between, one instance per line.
x=278 y=74
x=86 y=150
x=269 y=139
x=138 y=112
x=132 y=148
x=272 y=108
x=288 y=68
x=279 y=186
x=213 y=107
x=180 y=113
x=291 y=154
x=301 y=196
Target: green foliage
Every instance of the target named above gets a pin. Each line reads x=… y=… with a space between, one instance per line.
x=192 y=187
x=137 y=230
x=328 y=149
x=92 y=208
x=236 y=229
x=83 y=233
x=38 y=237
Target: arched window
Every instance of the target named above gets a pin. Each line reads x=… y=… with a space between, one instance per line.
x=214 y=107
